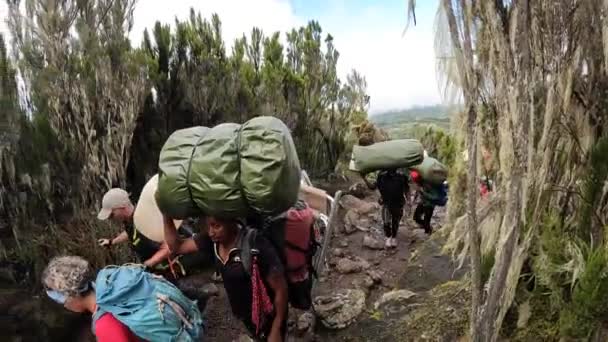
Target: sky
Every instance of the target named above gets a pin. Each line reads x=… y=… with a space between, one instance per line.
x=400 y=69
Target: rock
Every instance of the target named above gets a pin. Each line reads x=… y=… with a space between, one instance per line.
x=198 y=288
x=244 y=338
x=359 y=190
x=343 y=243
x=210 y=290
x=305 y=322
x=375 y=275
x=349 y=202
x=393 y=297
x=372 y=243
x=337 y=252
x=365 y=283
x=351 y=219
x=339 y=310
x=368 y=208
x=377 y=262
x=346 y=266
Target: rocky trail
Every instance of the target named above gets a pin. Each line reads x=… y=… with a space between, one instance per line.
x=373 y=294
x=365 y=292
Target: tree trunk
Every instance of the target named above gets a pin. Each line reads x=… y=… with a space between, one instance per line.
x=469 y=89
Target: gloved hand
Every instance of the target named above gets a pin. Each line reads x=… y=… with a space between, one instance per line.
x=104 y=242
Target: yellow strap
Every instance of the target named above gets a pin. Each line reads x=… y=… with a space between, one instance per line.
x=135 y=239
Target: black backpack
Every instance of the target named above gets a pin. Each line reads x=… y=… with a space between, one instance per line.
x=281 y=232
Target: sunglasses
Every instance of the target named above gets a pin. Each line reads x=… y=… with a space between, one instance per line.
x=61 y=298
x=56 y=296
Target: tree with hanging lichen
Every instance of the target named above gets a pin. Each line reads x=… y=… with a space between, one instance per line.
x=89 y=85
x=534 y=74
x=101 y=109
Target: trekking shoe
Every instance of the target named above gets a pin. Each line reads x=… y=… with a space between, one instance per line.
x=428 y=231
x=388 y=243
x=394 y=242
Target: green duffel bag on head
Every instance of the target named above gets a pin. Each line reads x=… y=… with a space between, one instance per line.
x=270 y=168
x=432 y=171
x=229 y=170
x=392 y=154
x=173 y=194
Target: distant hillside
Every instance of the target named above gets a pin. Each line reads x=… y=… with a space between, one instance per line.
x=416 y=114
x=411 y=123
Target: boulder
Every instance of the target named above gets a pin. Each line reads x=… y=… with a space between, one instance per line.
x=305 y=322
x=375 y=275
x=351 y=219
x=372 y=242
x=394 y=297
x=359 y=190
x=364 y=283
x=339 y=310
x=337 y=252
x=349 y=202
x=347 y=266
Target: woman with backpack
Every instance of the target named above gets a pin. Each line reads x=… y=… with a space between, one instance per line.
x=432 y=195
x=127 y=304
x=258 y=297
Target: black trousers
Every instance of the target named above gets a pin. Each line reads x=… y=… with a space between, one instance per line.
x=423 y=215
x=391 y=215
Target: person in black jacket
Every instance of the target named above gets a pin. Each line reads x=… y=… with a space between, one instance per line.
x=222 y=242
x=393 y=187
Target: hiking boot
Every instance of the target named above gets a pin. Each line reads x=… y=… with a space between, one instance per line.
x=394 y=242
x=388 y=243
x=428 y=230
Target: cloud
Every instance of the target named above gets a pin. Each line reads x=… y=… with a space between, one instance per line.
x=399 y=70
x=237 y=16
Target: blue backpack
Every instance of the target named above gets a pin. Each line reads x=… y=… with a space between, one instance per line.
x=435 y=194
x=152 y=308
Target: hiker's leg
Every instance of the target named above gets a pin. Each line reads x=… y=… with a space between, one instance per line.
x=386 y=220
x=428 y=214
x=418 y=214
x=396 y=215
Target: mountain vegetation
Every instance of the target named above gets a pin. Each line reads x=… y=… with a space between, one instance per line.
x=98 y=109
x=532 y=77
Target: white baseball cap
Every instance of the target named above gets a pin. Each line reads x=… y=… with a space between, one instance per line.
x=113 y=199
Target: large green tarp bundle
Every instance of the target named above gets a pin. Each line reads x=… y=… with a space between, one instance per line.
x=387 y=155
x=229 y=170
x=432 y=171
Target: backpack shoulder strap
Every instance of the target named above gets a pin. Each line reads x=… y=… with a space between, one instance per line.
x=247 y=243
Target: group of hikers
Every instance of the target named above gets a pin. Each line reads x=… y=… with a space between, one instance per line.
x=265 y=261
x=394 y=188
x=70 y=281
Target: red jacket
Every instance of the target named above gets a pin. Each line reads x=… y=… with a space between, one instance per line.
x=109 y=329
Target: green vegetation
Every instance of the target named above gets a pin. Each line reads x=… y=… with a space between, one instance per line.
x=100 y=109
x=430 y=125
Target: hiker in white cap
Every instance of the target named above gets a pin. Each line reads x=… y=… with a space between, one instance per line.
x=117 y=207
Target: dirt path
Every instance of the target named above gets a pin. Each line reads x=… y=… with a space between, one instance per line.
x=416 y=265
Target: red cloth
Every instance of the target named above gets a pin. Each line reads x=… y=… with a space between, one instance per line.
x=109 y=329
x=415 y=176
x=262 y=307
